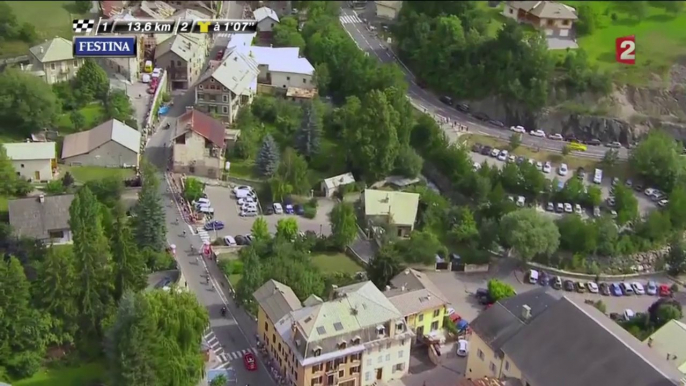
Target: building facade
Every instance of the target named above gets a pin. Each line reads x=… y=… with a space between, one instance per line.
x=555 y=19
x=112 y=144
x=34 y=161
x=53 y=61
x=355 y=338
x=198 y=145
x=183 y=57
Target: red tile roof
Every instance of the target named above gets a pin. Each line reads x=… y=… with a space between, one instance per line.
x=206 y=126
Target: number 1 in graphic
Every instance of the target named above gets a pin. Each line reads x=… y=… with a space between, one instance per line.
x=625 y=49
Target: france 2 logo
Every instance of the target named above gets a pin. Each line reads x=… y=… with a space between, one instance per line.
x=625 y=50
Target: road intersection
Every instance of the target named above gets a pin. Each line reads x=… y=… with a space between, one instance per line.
x=370 y=42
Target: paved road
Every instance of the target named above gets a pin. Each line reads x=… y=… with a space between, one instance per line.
x=369 y=42
x=235 y=333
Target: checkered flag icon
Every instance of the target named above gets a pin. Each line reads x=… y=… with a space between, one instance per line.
x=83 y=25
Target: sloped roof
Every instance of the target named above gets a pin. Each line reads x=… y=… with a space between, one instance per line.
x=339 y=180
x=31 y=218
x=277 y=300
x=545 y=9
x=112 y=130
x=400 y=206
x=335 y=317
x=184 y=45
x=413 y=292
x=574 y=344
x=202 y=124
x=265 y=12
x=53 y=50
x=282 y=59
x=236 y=71
x=670 y=340
x=24 y=151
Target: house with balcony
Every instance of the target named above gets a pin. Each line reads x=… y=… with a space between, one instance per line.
x=44 y=218
x=53 y=61
x=553 y=18
x=227 y=86
x=198 y=145
x=420 y=301
x=183 y=57
x=542 y=338
x=357 y=337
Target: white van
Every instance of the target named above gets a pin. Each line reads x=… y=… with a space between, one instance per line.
x=533 y=276
x=202 y=201
x=245 y=193
x=206 y=209
x=598 y=176
x=462 y=348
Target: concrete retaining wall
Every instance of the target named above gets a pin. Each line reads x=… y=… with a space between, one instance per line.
x=576 y=275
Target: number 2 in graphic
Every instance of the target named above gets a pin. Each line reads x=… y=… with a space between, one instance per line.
x=625 y=50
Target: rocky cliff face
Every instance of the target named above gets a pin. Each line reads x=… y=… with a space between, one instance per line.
x=628 y=113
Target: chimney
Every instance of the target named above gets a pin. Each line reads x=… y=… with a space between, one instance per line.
x=334 y=292
x=526 y=312
x=41 y=199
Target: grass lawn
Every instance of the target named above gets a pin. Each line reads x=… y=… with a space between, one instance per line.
x=3 y=203
x=234 y=279
x=51 y=18
x=72 y=376
x=244 y=169
x=89 y=173
x=335 y=262
x=93 y=114
x=660 y=41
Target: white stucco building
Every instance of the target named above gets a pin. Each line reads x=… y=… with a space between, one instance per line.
x=34 y=161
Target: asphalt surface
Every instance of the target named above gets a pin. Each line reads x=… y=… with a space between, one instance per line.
x=369 y=42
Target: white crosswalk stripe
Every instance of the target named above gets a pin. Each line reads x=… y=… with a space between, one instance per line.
x=349 y=19
x=204 y=236
x=226 y=358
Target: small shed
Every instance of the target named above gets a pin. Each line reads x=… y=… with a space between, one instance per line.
x=331 y=185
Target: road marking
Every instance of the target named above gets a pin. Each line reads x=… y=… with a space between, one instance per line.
x=350 y=19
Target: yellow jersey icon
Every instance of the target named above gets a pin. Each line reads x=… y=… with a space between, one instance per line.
x=204 y=26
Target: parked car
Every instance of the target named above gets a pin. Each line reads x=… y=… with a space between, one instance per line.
x=299 y=210
x=503 y=155
x=605 y=289
x=486 y=150
x=547 y=167
x=544 y=279
x=230 y=241
x=481 y=116
x=518 y=129
x=594 y=142
x=289 y=209
x=664 y=290
x=555 y=137
x=580 y=287
x=241 y=240
x=663 y=203
x=578 y=210
x=562 y=170
x=447 y=100
x=616 y=289
x=533 y=276
x=568 y=285
x=592 y=287
x=581 y=173
x=651 y=288
x=557 y=282
x=550 y=207
x=560 y=207
x=629 y=314
x=250 y=362
x=627 y=289
x=496 y=123
x=477 y=147
x=269 y=211
x=638 y=288
x=462 y=107
x=613 y=145
x=537 y=133
x=615 y=316
x=568 y=208
x=214 y=225
x=495 y=152
x=278 y=209
x=462 y=348
x=242 y=187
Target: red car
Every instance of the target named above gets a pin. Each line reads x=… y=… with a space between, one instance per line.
x=220 y=55
x=250 y=362
x=664 y=290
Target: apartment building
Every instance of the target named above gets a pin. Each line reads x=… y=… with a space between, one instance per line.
x=283 y=67
x=420 y=301
x=53 y=61
x=542 y=338
x=183 y=56
x=357 y=337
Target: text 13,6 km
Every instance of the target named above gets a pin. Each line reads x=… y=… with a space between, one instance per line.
x=625 y=50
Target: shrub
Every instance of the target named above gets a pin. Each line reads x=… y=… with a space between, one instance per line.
x=309 y=212
x=674 y=288
x=54 y=187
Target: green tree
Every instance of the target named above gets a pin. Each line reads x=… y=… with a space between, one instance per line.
x=497 y=290
x=27 y=103
x=464 y=230
x=219 y=380
x=626 y=204
x=657 y=160
x=287 y=229
x=294 y=171
x=149 y=223
x=308 y=137
x=118 y=106
x=192 y=189
x=253 y=278
x=82 y=6
x=515 y=141
x=322 y=78
x=674 y=7
x=663 y=310
x=24 y=331
x=408 y=163
x=384 y=266
x=610 y=159
x=92 y=262
x=588 y=20
x=566 y=150
x=607 y=236
x=676 y=207
x=91 y=82
x=529 y=233
x=78 y=121
x=676 y=258
x=286 y=34
x=594 y=196
x=67 y=180
x=422 y=248
x=128 y=265
x=107 y=190
x=259 y=230
x=55 y=292
x=267 y=161
x=343 y=224
x=577 y=235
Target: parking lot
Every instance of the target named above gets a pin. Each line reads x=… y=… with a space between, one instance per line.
x=460 y=288
x=644 y=203
x=226 y=209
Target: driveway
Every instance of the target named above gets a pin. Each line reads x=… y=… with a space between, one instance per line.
x=226 y=210
x=460 y=288
x=644 y=203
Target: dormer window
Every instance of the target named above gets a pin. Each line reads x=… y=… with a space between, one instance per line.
x=317 y=351
x=356 y=340
x=399 y=327
x=380 y=330
x=200 y=87
x=342 y=345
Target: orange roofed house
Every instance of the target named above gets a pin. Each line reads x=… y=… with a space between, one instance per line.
x=555 y=19
x=198 y=145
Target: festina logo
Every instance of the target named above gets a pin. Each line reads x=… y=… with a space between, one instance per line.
x=104 y=46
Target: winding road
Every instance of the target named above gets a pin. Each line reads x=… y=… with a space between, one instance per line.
x=369 y=42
